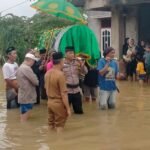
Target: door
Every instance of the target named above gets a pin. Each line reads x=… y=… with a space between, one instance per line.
x=105 y=38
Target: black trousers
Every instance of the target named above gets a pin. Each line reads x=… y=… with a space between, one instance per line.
x=131 y=68
x=12 y=103
x=12 y=99
x=43 y=92
x=38 y=95
x=76 y=101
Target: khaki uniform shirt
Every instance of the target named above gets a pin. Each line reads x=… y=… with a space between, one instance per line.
x=55 y=85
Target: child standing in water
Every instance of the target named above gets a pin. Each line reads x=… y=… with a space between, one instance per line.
x=141 y=74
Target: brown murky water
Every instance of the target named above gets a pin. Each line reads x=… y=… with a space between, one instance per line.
x=126 y=128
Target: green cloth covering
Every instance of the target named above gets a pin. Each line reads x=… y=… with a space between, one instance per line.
x=84 y=41
x=47 y=39
x=59 y=8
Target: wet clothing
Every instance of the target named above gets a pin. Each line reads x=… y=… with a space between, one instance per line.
x=107 y=84
x=12 y=99
x=107 y=99
x=72 y=71
x=55 y=85
x=9 y=72
x=24 y=108
x=142 y=76
x=27 y=82
x=90 y=92
x=76 y=101
x=57 y=114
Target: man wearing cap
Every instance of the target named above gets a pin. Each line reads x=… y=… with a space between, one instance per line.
x=27 y=82
x=72 y=70
x=108 y=72
x=42 y=70
x=9 y=72
x=55 y=84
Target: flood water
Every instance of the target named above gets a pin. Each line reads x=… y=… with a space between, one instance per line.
x=126 y=128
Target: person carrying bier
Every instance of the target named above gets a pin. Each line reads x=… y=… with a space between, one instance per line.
x=41 y=71
x=73 y=69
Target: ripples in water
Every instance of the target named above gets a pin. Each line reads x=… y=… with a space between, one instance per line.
x=126 y=128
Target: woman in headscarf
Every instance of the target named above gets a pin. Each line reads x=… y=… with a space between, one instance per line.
x=131 y=60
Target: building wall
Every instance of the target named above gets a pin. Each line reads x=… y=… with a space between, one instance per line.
x=91 y=4
x=117 y=30
x=95 y=25
x=132 y=25
x=104 y=4
x=144 y=23
x=124 y=26
x=78 y=3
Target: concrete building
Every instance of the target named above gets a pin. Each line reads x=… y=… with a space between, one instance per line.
x=128 y=18
x=78 y=3
x=100 y=23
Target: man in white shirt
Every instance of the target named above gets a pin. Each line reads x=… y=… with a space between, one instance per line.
x=9 y=73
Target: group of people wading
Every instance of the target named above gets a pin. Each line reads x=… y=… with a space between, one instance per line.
x=58 y=80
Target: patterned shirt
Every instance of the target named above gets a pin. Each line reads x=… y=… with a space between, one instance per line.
x=27 y=82
x=72 y=71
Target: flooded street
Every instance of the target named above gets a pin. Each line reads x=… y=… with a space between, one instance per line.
x=126 y=128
